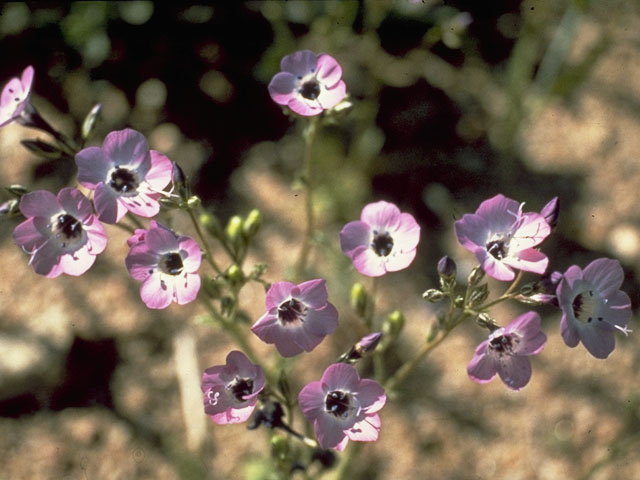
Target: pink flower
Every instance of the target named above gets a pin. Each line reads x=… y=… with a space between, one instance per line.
x=308 y=83
x=231 y=390
x=343 y=407
x=15 y=96
x=125 y=175
x=502 y=237
x=506 y=350
x=383 y=240
x=167 y=265
x=61 y=233
x=593 y=306
x=298 y=317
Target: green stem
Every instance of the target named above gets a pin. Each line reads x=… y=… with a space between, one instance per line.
x=505 y=296
x=205 y=244
x=303 y=257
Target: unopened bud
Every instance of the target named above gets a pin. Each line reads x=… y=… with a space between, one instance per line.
x=90 y=121
x=235 y=275
x=179 y=181
x=10 y=207
x=447 y=267
x=485 y=320
x=393 y=324
x=252 y=223
x=234 y=228
x=359 y=299
x=17 y=190
x=169 y=203
x=43 y=149
x=211 y=223
x=365 y=345
x=551 y=212
x=279 y=447
x=479 y=295
x=433 y=295
x=476 y=275
x=194 y=202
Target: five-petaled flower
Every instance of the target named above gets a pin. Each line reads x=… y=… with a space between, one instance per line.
x=593 y=306
x=343 y=407
x=15 y=96
x=308 y=83
x=502 y=237
x=61 y=233
x=167 y=265
x=125 y=175
x=298 y=317
x=383 y=240
x=505 y=352
x=231 y=390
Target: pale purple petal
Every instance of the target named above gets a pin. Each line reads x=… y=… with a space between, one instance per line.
x=529 y=260
x=499 y=212
x=399 y=260
x=482 y=368
x=354 y=234
x=471 y=231
x=78 y=262
x=532 y=232
x=282 y=87
x=302 y=337
x=93 y=166
x=311 y=400
x=381 y=216
x=141 y=261
x=371 y=395
x=161 y=240
x=278 y=293
x=407 y=235
x=159 y=175
x=45 y=258
x=97 y=237
x=155 y=292
x=329 y=430
x=495 y=268
x=605 y=274
x=340 y=376
x=27 y=236
x=126 y=147
x=368 y=262
x=328 y=70
x=75 y=203
x=40 y=204
x=107 y=206
x=313 y=293
x=323 y=321
x=193 y=258
x=287 y=347
x=267 y=328
x=299 y=63
x=330 y=97
x=515 y=372
x=304 y=108
x=569 y=332
x=365 y=430
x=186 y=287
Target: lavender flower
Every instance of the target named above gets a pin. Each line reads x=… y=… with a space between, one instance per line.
x=343 y=407
x=61 y=233
x=308 y=83
x=298 y=317
x=125 y=175
x=505 y=352
x=167 y=265
x=593 y=306
x=383 y=240
x=231 y=390
x=502 y=237
x=15 y=96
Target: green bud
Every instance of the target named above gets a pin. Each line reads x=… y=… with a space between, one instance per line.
x=485 y=320
x=252 y=223
x=42 y=149
x=168 y=203
x=179 y=181
x=234 y=228
x=211 y=223
x=17 y=190
x=194 y=202
x=90 y=121
x=235 y=275
x=528 y=289
x=393 y=324
x=433 y=295
x=476 y=275
x=479 y=295
x=279 y=447
x=9 y=208
x=359 y=299
x=212 y=287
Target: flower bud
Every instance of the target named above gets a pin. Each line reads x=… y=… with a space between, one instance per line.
x=393 y=324
x=485 y=320
x=359 y=299
x=234 y=228
x=211 y=223
x=42 y=149
x=252 y=223
x=17 y=190
x=9 y=208
x=179 y=181
x=169 y=203
x=479 y=295
x=90 y=121
x=366 y=344
x=447 y=268
x=194 y=202
x=433 y=295
x=235 y=275
x=476 y=275
x=279 y=447
x=551 y=212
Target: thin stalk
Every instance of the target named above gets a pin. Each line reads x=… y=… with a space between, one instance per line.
x=205 y=244
x=506 y=295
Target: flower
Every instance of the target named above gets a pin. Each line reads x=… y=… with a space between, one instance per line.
x=593 y=306
x=505 y=352
x=61 y=233
x=502 y=237
x=125 y=175
x=343 y=407
x=383 y=240
x=15 y=96
x=308 y=83
x=167 y=265
x=298 y=317
x=231 y=390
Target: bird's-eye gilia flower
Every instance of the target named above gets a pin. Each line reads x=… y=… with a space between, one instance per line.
x=15 y=96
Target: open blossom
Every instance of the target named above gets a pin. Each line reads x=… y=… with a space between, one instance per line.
x=231 y=390
x=298 y=317
x=125 y=175
x=15 y=96
x=593 y=306
x=308 y=83
x=167 y=265
x=61 y=233
x=343 y=407
x=502 y=237
x=383 y=240
x=506 y=352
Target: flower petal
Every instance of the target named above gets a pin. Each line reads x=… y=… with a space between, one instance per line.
x=313 y=293
x=381 y=216
x=515 y=372
x=353 y=235
x=311 y=400
x=93 y=166
x=126 y=147
x=330 y=97
x=299 y=63
x=366 y=430
x=278 y=293
x=328 y=70
x=340 y=376
x=155 y=292
x=323 y=321
x=282 y=87
x=187 y=287
x=605 y=274
x=40 y=204
x=371 y=395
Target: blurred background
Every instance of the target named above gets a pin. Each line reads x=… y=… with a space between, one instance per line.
x=454 y=102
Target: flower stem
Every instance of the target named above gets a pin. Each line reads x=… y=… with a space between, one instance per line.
x=205 y=244
x=309 y=137
x=506 y=295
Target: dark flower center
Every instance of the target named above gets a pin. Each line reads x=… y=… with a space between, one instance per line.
x=171 y=263
x=503 y=344
x=241 y=387
x=382 y=243
x=337 y=403
x=497 y=249
x=68 y=227
x=123 y=180
x=291 y=310
x=310 y=90
x=584 y=307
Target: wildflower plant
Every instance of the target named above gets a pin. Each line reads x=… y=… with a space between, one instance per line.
x=126 y=184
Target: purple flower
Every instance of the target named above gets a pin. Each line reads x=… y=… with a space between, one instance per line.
x=298 y=317
x=167 y=265
x=593 y=306
x=343 y=407
x=383 y=240
x=505 y=352
x=125 y=175
x=15 y=96
x=61 y=233
x=502 y=237
x=308 y=83
x=231 y=390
